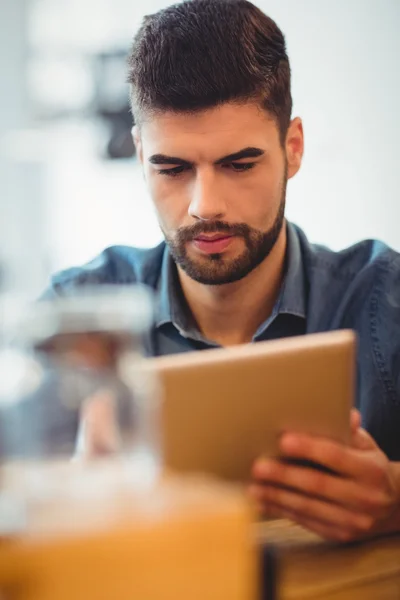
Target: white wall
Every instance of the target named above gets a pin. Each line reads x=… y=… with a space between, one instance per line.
x=22 y=214
x=346 y=87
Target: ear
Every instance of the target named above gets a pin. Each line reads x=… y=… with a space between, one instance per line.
x=294 y=146
x=137 y=140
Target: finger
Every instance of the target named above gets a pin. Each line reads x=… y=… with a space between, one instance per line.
x=304 y=507
x=267 y=512
x=355 y=420
x=332 y=534
x=324 y=530
x=311 y=482
x=362 y=440
x=341 y=459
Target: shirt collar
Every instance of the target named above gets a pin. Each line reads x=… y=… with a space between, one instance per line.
x=170 y=306
x=292 y=298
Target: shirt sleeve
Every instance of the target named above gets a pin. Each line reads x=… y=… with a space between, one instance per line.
x=390 y=311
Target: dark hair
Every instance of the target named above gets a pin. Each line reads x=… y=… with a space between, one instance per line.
x=202 y=53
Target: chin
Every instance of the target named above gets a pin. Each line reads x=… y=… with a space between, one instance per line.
x=215 y=270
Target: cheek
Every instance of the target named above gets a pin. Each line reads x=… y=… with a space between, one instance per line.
x=259 y=196
x=169 y=201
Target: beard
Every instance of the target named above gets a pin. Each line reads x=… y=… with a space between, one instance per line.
x=216 y=269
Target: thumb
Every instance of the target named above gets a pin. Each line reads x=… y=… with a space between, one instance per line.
x=355 y=420
x=360 y=438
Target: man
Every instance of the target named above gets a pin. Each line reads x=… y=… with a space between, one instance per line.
x=210 y=91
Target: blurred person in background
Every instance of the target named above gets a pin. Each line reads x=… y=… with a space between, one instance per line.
x=214 y=132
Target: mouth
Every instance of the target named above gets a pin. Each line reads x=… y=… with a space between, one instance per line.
x=212 y=244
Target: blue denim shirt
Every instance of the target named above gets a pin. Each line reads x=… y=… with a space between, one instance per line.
x=358 y=288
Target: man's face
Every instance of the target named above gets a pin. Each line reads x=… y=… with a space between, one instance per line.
x=218 y=182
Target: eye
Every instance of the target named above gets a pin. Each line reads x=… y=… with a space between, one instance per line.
x=172 y=172
x=240 y=167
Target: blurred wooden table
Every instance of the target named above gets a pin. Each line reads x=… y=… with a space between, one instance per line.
x=298 y=565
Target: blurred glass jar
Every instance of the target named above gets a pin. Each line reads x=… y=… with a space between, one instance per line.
x=73 y=392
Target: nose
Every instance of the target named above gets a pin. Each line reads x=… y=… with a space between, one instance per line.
x=207 y=201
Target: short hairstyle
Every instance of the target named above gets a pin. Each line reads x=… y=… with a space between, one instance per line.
x=202 y=53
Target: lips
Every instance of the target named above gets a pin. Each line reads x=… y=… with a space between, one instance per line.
x=212 y=244
x=212 y=238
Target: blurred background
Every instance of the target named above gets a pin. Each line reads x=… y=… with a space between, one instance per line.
x=69 y=181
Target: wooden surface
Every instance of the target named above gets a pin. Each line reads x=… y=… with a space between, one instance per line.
x=187 y=539
x=306 y=567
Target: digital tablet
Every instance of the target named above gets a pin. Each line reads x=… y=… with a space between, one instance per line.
x=223 y=408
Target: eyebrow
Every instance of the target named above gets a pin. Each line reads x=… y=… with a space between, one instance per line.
x=162 y=159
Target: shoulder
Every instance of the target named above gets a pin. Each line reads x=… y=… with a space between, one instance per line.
x=372 y=255
x=359 y=287
x=115 y=265
x=369 y=265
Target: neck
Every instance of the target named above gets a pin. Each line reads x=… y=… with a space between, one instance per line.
x=230 y=314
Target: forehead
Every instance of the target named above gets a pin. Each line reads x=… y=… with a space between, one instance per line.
x=209 y=133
